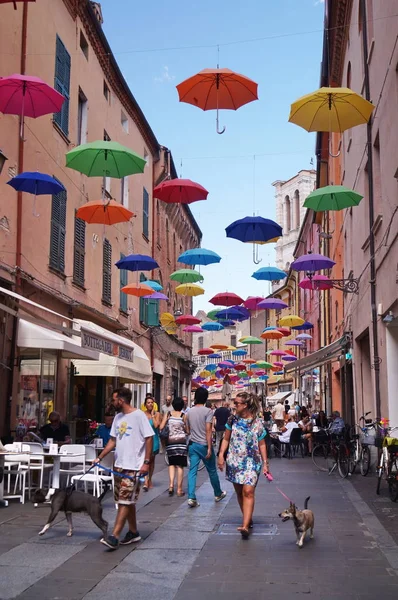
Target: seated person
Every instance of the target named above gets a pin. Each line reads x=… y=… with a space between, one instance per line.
x=56 y=430
x=104 y=430
x=338 y=424
x=306 y=426
x=284 y=437
x=321 y=420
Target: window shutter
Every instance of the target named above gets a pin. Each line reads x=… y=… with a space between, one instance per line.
x=79 y=251
x=143 y=303
x=62 y=83
x=107 y=272
x=152 y=317
x=58 y=231
x=123 y=282
x=145 y=213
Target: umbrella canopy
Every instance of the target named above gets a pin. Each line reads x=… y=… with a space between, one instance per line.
x=28 y=96
x=154 y=285
x=304 y=336
x=187 y=320
x=304 y=327
x=100 y=158
x=212 y=314
x=205 y=373
x=155 y=296
x=285 y=331
x=271 y=335
x=166 y=319
x=212 y=326
x=239 y=352
x=251 y=340
x=289 y=357
x=263 y=364
x=226 y=322
x=332 y=197
x=240 y=367
x=205 y=351
x=254 y=229
x=277 y=353
x=104 y=213
x=277 y=365
x=199 y=256
x=317 y=282
x=291 y=321
x=269 y=274
x=194 y=329
x=272 y=304
x=231 y=313
x=36 y=183
x=189 y=289
x=251 y=303
x=137 y=262
x=186 y=276
x=180 y=191
x=330 y=109
x=248 y=361
x=293 y=343
x=225 y=365
x=219 y=347
x=312 y=262
x=137 y=289
x=214 y=354
x=226 y=299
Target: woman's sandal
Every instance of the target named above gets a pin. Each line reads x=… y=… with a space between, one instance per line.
x=145 y=488
x=180 y=494
x=245 y=533
x=171 y=491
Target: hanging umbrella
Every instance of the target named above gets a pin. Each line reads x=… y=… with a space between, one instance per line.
x=205 y=374
x=293 y=343
x=272 y=304
x=291 y=321
x=14 y=2
x=137 y=289
x=285 y=331
x=254 y=229
x=317 y=282
x=277 y=353
x=187 y=320
x=248 y=361
x=166 y=319
x=332 y=197
x=312 y=262
x=289 y=357
x=214 y=89
x=214 y=354
x=239 y=352
x=212 y=314
x=205 y=351
x=193 y=329
x=226 y=299
x=103 y=158
x=251 y=303
x=104 y=213
x=155 y=296
x=154 y=285
x=211 y=367
x=219 y=346
x=331 y=110
x=180 y=191
x=264 y=377
x=251 y=340
x=304 y=336
x=271 y=335
x=269 y=274
x=212 y=326
x=137 y=262
x=240 y=367
x=199 y=256
x=231 y=348
x=263 y=364
x=277 y=365
x=189 y=289
x=186 y=276
x=231 y=313
x=225 y=365
x=226 y=322
x=304 y=327
x=36 y=183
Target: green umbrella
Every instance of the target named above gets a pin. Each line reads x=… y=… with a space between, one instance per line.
x=110 y=159
x=332 y=197
x=262 y=364
x=187 y=276
x=251 y=340
x=212 y=314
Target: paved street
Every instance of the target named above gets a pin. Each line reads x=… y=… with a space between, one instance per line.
x=190 y=554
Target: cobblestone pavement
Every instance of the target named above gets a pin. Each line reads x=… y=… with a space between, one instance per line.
x=187 y=554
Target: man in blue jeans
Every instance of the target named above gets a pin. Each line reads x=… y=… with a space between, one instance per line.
x=200 y=424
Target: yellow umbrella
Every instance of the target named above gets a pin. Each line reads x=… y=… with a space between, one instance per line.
x=170 y=330
x=291 y=321
x=167 y=319
x=273 y=241
x=205 y=374
x=189 y=289
x=330 y=109
x=231 y=348
x=219 y=347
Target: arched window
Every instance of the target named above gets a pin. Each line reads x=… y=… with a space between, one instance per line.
x=167 y=241
x=296 y=209
x=349 y=75
x=287 y=215
x=158 y=239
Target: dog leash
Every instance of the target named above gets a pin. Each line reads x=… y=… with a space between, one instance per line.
x=270 y=478
x=124 y=475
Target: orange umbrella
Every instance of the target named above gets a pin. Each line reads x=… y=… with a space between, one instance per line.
x=212 y=89
x=248 y=361
x=104 y=213
x=137 y=289
x=272 y=334
x=219 y=347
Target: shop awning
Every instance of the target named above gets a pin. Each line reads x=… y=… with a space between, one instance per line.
x=279 y=396
x=320 y=357
x=35 y=336
x=118 y=356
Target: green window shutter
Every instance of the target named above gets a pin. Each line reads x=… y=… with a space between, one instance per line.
x=123 y=282
x=62 y=83
x=79 y=251
x=152 y=319
x=107 y=272
x=58 y=231
x=145 y=213
x=143 y=303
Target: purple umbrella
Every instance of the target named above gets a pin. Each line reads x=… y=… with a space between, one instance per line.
x=312 y=262
x=226 y=364
x=293 y=343
x=156 y=296
x=289 y=357
x=272 y=304
x=304 y=336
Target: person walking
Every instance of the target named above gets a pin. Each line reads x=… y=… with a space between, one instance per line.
x=199 y=426
x=176 y=444
x=279 y=414
x=244 y=440
x=220 y=418
x=166 y=407
x=131 y=438
x=154 y=420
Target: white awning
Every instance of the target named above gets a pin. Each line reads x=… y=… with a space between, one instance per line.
x=320 y=357
x=136 y=370
x=35 y=336
x=279 y=396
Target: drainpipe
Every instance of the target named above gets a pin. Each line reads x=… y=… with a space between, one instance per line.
x=376 y=359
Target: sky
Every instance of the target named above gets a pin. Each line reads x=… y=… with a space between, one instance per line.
x=278 y=44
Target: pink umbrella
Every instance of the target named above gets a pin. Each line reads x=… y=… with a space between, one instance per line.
x=272 y=304
x=278 y=364
x=278 y=353
x=317 y=282
x=252 y=301
x=193 y=329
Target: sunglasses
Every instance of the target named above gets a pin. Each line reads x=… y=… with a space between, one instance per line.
x=237 y=403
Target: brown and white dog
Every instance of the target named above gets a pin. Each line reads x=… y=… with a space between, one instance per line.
x=303 y=520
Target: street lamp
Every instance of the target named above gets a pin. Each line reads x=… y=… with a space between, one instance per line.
x=3 y=159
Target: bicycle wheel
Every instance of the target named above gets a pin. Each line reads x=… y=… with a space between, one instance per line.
x=393 y=480
x=364 y=460
x=343 y=461
x=319 y=456
x=380 y=471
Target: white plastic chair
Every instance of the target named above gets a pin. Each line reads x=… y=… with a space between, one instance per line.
x=37 y=462
x=97 y=476
x=76 y=464
x=17 y=466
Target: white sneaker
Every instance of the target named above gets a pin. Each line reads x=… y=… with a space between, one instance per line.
x=219 y=498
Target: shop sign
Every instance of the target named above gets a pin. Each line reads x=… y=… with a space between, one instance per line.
x=100 y=344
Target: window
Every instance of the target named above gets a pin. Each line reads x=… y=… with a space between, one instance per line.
x=158 y=239
x=200 y=343
x=167 y=241
x=349 y=75
x=123 y=282
x=233 y=340
x=296 y=208
x=124 y=191
x=288 y=223
x=145 y=213
x=62 y=84
x=107 y=93
x=174 y=252
x=125 y=122
x=58 y=232
x=79 y=252
x=149 y=310
x=146 y=157
x=107 y=272
x=82 y=118
x=106 y=181
x=83 y=44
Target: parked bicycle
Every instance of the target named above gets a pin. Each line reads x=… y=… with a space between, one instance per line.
x=387 y=467
x=361 y=439
x=331 y=453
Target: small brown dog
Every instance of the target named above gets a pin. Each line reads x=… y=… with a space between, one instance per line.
x=303 y=520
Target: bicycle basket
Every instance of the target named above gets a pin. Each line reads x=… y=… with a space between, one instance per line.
x=391 y=444
x=368 y=438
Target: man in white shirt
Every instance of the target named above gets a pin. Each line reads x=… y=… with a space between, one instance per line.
x=278 y=414
x=284 y=437
x=131 y=438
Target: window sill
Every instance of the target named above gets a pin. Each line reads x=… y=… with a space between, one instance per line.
x=61 y=133
x=145 y=238
x=56 y=272
x=78 y=285
x=106 y=303
x=124 y=313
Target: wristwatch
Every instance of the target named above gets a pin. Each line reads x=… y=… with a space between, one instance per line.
x=146 y=462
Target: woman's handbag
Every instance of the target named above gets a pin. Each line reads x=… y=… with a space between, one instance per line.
x=164 y=433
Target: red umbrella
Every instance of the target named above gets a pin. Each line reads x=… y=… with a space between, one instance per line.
x=317 y=282
x=205 y=351
x=187 y=320
x=180 y=191
x=14 y=2
x=252 y=302
x=226 y=299
x=285 y=331
x=278 y=352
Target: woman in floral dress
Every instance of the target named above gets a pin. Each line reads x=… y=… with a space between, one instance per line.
x=244 y=440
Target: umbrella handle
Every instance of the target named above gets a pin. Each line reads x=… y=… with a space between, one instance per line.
x=34 y=213
x=256 y=259
x=220 y=132
x=330 y=150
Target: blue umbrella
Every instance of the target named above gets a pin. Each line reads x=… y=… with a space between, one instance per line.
x=231 y=313
x=215 y=355
x=154 y=285
x=306 y=325
x=137 y=262
x=269 y=274
x=211 y=367
x=36 y=183
x=199 y=256
x=239 y=352
x=212 y=326
x=254 y=229
x=226 y=322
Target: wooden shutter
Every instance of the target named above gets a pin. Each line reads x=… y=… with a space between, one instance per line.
x=107 y=273
x=79 y=251
x=143 y=303
x=145 y=213
x=58 y=231
x=152 y=313
x=62 y=84
x=123 y=282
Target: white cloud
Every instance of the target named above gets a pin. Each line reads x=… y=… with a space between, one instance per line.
x=165 y=76
x=319 y=2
